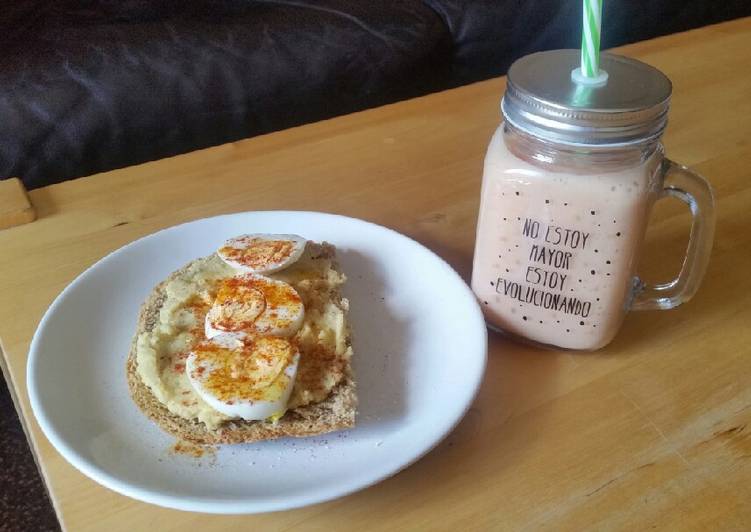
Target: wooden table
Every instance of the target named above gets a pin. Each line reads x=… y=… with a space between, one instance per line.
x=653 y=431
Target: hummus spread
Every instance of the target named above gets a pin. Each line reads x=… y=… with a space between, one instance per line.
x=323 y=339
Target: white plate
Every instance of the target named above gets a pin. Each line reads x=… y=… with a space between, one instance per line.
x=420 y=350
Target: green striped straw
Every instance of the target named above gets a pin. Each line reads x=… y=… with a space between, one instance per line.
x=590 y=66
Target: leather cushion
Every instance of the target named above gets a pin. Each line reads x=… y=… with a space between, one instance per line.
x=488 y=35
x=86 y=86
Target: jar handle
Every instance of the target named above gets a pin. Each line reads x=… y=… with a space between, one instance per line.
x=696 y=192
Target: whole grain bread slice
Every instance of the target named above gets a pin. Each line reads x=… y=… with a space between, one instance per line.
x=336 y=412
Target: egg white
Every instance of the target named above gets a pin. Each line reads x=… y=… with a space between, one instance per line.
x=243 y=242
x=273 y=401
x=274 y=320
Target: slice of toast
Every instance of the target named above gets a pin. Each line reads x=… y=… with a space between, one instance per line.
x=336 y=412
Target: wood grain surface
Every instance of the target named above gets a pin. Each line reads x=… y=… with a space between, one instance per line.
x=15 y=207
x=652 y=432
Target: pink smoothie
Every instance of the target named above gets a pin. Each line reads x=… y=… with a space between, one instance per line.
x=557 y=247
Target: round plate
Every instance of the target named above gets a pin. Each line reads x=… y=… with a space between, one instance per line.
x=420 y=348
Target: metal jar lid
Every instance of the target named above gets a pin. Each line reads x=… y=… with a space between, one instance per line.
x=542 y=99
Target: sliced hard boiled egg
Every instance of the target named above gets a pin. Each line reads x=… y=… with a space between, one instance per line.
x=243 y=376
x=255 y=304
x=262 y=253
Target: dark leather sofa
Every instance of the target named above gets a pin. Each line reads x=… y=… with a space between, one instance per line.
x=91 y=85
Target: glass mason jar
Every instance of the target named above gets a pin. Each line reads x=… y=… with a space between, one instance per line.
x=569 y=182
